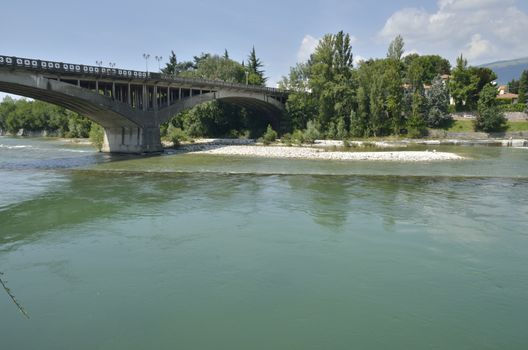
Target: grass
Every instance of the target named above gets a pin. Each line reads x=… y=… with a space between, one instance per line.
x=467 y=126
x=518 y=126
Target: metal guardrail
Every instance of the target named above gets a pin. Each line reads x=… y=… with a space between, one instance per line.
x=99 y=71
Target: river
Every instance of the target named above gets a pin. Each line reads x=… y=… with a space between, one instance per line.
x=207 y=252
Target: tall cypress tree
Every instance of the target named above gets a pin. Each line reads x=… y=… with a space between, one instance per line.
x=255 y=71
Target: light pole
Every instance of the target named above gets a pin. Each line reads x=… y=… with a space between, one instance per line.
x=111 y=64
x=247 y=78
x=146 y=56
x=99 y=63
x=159 y=58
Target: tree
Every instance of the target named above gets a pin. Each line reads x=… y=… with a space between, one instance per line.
x=170 y=67
x=254 y=69
x=331 y=79
x=438 y=103
x=416 y=122
x=431 y=66
x=378 y=115
x=463 y=84
x=489 y=118
x=523 y=87
x=214 y=67
x=300 y=106
x=396 y=48
x=226 y=54
x=173 y=67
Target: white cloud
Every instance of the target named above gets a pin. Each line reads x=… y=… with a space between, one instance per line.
x=308 y=45
x=481 y=29
x=477 y=47
x=357 y=60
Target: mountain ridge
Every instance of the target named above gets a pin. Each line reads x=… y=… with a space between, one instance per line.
x=508 y=69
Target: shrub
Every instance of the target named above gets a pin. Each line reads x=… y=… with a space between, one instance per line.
x=269 y=136
x=311 y=133
x=97 y=136
x=489 y=118
x=298 y=137
x=176 y=136
x=517 y=107
x=286 y=139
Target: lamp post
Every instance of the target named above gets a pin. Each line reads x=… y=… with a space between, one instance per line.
x=99 y=63
x=146 y=56
x=111 y=64
x=159 y=58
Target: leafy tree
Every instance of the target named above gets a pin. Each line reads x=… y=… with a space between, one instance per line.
x=431 y=66
x=463 y=84
x=489 y=118
x=394 y=93
x=416 y=122
x=378 y=116
x=359 y=121
x=523 y=87
x=396 y=48
x=214 y=67
x=513 y=86
x=300 y=106
x=331 y=79
x=438 y=103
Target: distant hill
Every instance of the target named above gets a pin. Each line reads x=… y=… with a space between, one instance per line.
x=508 y=70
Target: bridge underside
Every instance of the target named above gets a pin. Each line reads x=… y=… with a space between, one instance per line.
x=131 y=122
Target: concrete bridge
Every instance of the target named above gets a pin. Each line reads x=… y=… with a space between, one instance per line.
x=129 y=105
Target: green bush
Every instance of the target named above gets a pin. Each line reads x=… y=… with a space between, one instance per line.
x=176 y=136
x=517 y=107
x=298 y=137
x=269 y=136
x=97 y=136
x=286 y=139
x=311 y=133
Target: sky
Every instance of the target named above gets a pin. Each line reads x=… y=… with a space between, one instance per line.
x=282 y=32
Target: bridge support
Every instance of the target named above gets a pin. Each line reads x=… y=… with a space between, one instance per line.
x=132 y=140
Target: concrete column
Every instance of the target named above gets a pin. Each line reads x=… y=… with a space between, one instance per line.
x=97 y=86
x=179 y=93
x=168 y=96
x=132 y=139
x=155 y=99
x=129 y=97
x=145 y=97
x=113 y=91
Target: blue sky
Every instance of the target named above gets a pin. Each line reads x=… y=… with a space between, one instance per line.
x=283 y=32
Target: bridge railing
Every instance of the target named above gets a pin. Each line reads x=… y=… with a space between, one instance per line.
x=99 y=71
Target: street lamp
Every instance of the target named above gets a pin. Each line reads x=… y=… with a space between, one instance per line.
x=146 y=56
x=111 y=64
x=99 y=63
x=159 y=58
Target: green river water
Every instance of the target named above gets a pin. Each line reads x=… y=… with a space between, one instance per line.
x=209 y=252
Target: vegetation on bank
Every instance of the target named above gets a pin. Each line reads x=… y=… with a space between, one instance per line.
x=397 y=96
x=41 y=116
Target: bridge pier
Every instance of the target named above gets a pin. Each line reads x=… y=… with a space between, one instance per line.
x=132 y=140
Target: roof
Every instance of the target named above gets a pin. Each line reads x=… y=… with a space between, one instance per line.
x=508 y=96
